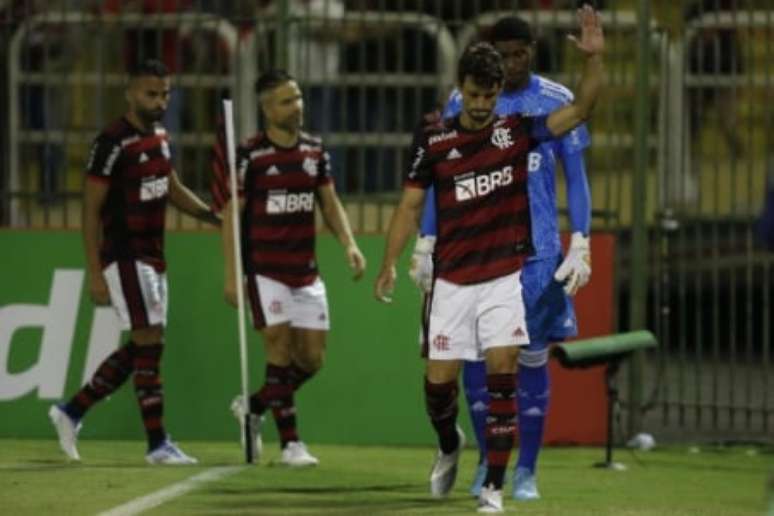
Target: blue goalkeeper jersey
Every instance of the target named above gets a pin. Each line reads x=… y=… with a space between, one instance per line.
x=540 y=97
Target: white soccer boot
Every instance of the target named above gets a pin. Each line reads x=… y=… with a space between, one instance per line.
x=296 y=455
x=169 y=454
x=444 y=472
x=67 y=430
x=490 y=500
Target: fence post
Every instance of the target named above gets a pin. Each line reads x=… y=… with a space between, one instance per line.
x=638 y=250
x=281 y=44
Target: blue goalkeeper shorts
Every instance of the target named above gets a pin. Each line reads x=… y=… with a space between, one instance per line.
x=550 y=313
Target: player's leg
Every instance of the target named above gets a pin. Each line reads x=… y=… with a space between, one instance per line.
x=109 y=376
x=307 y=355
x=533 y=398
x=501 y=331
x=310 y=325
x=442 y=408
x=143 y=293
x=477 y=396
x=448 y=339
x=309 y=328
x=549 y=316
x=147 y=382
x=501 y=423
x=271 y=303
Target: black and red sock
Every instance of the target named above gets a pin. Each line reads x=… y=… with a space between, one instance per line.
x=299 y=377
x=441 y=404
x=500 y=426
x=277 y=394
x=109 y=376
x=148 y=388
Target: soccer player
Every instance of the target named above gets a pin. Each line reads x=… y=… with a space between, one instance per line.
x=129 y=179
x=550 y=314
x=477 y=163
x=282 y=172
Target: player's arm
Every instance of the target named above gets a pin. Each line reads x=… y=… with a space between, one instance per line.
x=188 y=202
x=402 y=226
x=337 y=221
x=592 y=44
x=229 y=252
x=575 y=269
x=421 y=269
x=94 y=195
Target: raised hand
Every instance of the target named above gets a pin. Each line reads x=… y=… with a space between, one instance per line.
x=592 y=40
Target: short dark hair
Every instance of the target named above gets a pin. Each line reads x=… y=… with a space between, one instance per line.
x=482 y=63
x=511 y=28
x=271 y=79
x=149 y=67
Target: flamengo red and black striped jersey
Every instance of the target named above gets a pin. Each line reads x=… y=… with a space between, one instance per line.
x=480 y=180
x=136 y=166
x=279 y=185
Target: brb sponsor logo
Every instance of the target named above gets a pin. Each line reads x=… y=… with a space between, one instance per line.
x=154 y=188
x=471 y=186
x=280 y=201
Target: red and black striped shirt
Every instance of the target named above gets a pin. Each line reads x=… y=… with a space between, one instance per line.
x=279 y=185
x=136 y=166
x=480 y=180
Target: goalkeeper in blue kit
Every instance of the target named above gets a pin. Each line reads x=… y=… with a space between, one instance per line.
x=548 y=278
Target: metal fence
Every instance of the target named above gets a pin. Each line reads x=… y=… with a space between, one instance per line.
x=369 y=68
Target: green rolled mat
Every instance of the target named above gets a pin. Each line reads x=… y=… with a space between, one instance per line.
x=600 y=350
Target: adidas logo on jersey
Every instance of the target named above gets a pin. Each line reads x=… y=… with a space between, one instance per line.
x=153 y=188
x=453 y=154
x=519 y=332
x=143 y=157
x=272 y=171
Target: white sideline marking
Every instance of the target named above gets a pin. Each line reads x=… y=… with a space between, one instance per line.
x=161 y=496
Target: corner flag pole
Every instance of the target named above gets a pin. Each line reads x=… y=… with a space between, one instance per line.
x=228 y=119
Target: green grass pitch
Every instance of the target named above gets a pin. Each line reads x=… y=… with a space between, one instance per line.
x=36 y=480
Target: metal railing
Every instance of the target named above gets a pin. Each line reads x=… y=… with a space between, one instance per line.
x=239 y=84
x=710 y=286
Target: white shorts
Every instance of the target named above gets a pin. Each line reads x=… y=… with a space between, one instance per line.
x=273 y=303
x=466 y=320
x=138 y=293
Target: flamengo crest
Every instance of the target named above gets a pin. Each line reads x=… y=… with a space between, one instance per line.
x=501 y=138
x=310 y=166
